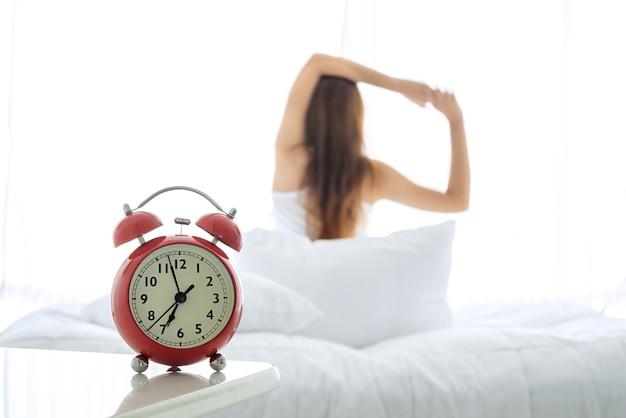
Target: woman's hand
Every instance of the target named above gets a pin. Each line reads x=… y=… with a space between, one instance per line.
x=446 y=103
x=421 y=94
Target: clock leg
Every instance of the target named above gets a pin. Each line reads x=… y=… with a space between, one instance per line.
x=139 y=363
x=217 y=362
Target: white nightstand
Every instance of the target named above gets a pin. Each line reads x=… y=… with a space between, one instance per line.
x=43 y=383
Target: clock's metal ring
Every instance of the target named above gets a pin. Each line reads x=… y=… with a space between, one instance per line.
x=230 y=213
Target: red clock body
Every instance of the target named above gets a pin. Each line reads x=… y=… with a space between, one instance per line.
x=177 y=300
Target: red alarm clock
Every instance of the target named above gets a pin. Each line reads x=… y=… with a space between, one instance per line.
x=177 y=299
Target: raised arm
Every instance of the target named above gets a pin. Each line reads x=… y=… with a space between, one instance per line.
x=290 y=156
x=392 y=185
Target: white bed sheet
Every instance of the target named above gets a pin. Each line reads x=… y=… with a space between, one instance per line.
x=550 y=360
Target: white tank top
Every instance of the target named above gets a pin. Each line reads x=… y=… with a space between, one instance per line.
x=288 y=214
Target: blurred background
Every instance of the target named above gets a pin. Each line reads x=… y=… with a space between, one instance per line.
x=106 y=102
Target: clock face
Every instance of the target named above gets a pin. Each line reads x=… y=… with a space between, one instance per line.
x=181 y=296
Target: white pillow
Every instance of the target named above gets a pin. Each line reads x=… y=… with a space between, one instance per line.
x=99 y=312
x=267 y=307
x=369 y=288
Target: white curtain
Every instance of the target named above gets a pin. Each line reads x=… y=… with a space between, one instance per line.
x=541 y=85
x=107 y=102
x=114 y=100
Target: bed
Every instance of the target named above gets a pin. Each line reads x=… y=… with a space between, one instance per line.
x=406 y=355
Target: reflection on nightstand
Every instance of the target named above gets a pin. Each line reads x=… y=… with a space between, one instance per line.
x=43 y=383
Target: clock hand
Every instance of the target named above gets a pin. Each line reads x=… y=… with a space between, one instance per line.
x=173 y=274
x=174 y=305
x=171 y=317
x=164 y=313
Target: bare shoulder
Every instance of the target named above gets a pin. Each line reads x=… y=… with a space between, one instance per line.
x=374 y=185
x=289 y=168
x=383 y=175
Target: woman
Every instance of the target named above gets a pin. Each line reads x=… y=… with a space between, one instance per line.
x=323 y=181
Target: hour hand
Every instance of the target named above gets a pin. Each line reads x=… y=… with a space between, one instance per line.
x=171 y=317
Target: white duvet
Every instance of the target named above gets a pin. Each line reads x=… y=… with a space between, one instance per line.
x=552 y=360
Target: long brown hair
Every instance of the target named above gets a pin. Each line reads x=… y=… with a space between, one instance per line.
x=337 y=164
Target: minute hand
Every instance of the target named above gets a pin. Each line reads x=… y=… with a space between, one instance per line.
x=173 y=273
x=164 y=313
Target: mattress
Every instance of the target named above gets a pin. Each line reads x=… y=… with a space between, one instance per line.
x=530 y=360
